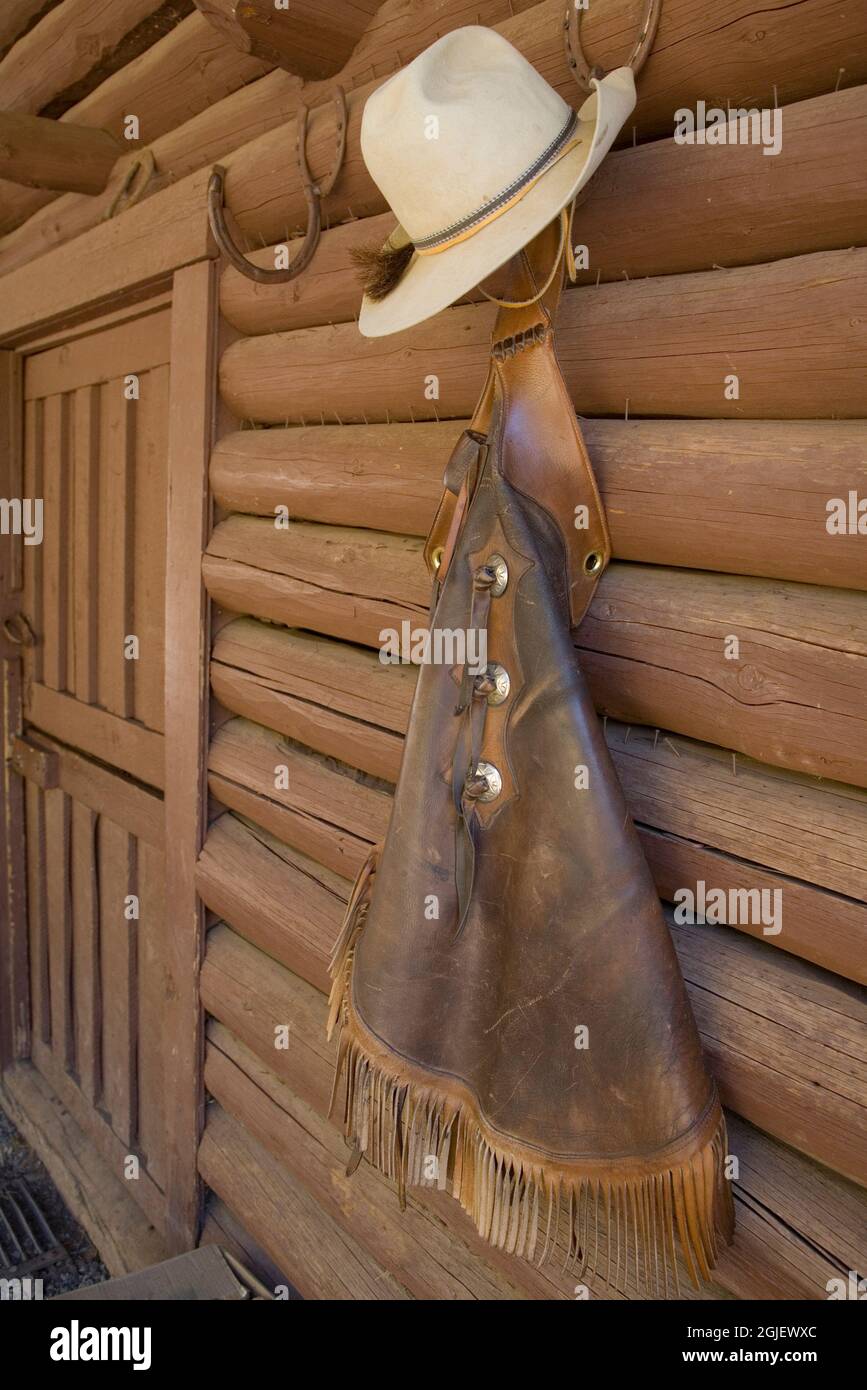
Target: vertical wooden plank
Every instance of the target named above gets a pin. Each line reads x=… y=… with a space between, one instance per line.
x=37 y=913
x=58 y=816
x=14 y=986
x=55 y=543
x=152 y=999
x=150 y=546
x=87 y=977
x=33 y=554
x=191 y=406
x=117 y=948
x=84 y=548
x=116 y=522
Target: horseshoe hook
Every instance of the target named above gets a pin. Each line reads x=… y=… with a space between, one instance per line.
x=313 y=193
x=581 y=69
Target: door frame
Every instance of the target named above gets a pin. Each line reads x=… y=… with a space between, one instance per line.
x=116 y=281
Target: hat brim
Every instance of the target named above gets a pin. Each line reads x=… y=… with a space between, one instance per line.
x=431 y=283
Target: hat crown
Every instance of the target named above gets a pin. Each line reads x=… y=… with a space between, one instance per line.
x=457 y=126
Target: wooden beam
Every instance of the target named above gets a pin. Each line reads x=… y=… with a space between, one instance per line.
x=191 y=408
x=751 y=495
x=106 y=736
x=68 y=43
x=306 y=38
x=116 y=261
x=188 y=71
x=776 y=341
x=45 y=154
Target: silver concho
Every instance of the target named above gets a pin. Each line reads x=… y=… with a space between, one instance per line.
x=502 y=685
x=501 y=570
x=492 y=776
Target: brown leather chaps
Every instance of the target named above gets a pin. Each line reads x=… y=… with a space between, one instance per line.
x=514 y=1027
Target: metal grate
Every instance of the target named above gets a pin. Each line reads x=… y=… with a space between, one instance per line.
x=27 y=1242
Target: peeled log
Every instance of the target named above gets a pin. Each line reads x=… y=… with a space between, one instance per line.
x=748 y=497
x=701 y=206
x=45 y=154
x=656 y=646
x=699 y=54
x=793 y=333
x=309 y=39
x=191 y=60
x=700 y=817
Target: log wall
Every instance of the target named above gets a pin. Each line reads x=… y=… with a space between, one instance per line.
x=714 y=348
x=742 y=770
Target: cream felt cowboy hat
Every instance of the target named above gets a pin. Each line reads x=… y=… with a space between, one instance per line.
x=475 y=153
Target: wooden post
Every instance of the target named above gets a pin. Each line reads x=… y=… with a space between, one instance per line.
x=191 y=405
x=41 y=153
x=14 y=988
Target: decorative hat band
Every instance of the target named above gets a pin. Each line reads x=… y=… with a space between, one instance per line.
x=468 y=226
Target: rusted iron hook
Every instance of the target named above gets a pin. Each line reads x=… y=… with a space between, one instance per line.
x=313 y=193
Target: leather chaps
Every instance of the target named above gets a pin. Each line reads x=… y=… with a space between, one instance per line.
x=514 y=1027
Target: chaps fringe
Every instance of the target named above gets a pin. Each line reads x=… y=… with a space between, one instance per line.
x=625 y=1227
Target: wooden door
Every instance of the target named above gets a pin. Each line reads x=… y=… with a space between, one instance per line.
x=91 y=747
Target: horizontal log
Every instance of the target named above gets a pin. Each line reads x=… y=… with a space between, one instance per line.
x=656 y=648
x=294 y=929
x=46 y=154
x=750 y=496
x=263 y=104
x=351 y=583
x=319 y=1257
x=773 y=670
x=306 y=38
x=261 y=761
x=703 y=816
x=798 y=52
x=330 y=845
x=66 y=45
x=790 y=336
x=700 y=208
x=327 y=675
x=187 y=71
x=307 y=698
x=810 y=1094
x=413 y=1245
x=792 y=1220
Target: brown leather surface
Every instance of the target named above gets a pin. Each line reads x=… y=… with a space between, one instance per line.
x=564 y=927
x=488 y=934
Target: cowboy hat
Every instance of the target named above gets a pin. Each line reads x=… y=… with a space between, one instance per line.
x=475 y=154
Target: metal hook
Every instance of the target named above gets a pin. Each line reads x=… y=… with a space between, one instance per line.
x=313 y=193
x=18 y=630
x=581 y=69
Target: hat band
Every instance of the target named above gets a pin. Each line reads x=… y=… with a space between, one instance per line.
x=467 y=226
